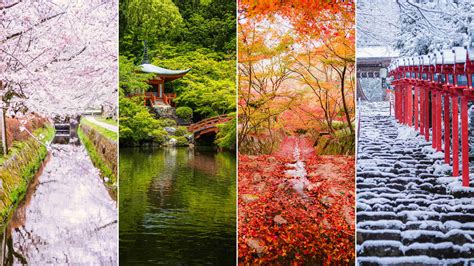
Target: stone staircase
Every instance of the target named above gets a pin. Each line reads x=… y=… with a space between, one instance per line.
x=162 y=110
x=63 y=132
x=66 y=130
x=405 y=216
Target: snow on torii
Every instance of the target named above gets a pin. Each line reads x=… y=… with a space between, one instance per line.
x=428 y=86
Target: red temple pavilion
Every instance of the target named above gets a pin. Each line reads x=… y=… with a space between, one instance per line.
x=162 y=91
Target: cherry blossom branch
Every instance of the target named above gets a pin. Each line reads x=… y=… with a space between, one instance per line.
x=10 y=5
x=32 y=27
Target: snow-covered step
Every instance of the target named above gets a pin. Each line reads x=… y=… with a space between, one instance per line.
x=376 y=216
x=381 y=234
x=394 y=248
x=411 y=261
x=455 y=236
x=405 y=216
x=382 y=224
x=380 y=248
x=444 y=250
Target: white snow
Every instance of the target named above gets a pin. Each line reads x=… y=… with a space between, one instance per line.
x=382 y=224
x=441 y=169
x=411 y=260
x=381 y=243
x=373 y=200
x=369 y=109
x=376 y=52
x=414 y=234
x=406 y=132
x=454 y=184
x=436 y=155
x=363 y=206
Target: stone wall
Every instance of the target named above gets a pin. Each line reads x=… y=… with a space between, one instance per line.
x=332 y=145
x=16 y=173
x=104 y=147
x=164 y=111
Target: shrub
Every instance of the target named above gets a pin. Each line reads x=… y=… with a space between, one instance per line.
x=182 y=141
x=226 y=137
x=159 y=135
x=136 y=123
x=184 y=113
x=337 y=125
x=166 y=122
x=181 y=131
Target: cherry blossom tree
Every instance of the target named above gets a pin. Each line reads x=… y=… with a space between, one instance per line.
x=58 y=57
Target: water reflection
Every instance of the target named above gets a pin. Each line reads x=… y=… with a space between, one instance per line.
x=177 y=206
x=66 y=217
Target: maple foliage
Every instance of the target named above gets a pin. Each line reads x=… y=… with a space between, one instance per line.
x=296 y=83
x=296 y=70
x=263 y=91
x=317 y=229
x=308 y=16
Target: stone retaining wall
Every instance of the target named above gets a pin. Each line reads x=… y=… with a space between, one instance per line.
x=105 y=147
x=16 y=173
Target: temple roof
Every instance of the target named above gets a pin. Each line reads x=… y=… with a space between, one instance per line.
x=149 y=68
x=167 y=74
x=377 y=52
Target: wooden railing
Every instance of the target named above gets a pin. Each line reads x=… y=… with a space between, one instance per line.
x=152 y=97
x=168 y=98
x=207 y=125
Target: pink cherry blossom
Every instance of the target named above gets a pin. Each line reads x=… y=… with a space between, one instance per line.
x=58 y=56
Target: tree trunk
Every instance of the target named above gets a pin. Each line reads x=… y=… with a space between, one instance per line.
x=3 y=124
x=348 y=117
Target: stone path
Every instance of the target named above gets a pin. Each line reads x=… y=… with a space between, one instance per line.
x=295 y=201
x=406 y=215
x=102 y=124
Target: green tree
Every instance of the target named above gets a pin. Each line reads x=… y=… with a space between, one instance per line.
x=138 y=126
x=184 y=113
x=180 y=34
x=131 y=80
x=226 y=137
x=150 y=20
x=209 y=88
x=208 y=23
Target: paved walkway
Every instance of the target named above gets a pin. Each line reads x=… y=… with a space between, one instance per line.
x=102 y=124
x=408 y=212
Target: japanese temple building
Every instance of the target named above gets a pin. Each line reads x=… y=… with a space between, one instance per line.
x=162 y=91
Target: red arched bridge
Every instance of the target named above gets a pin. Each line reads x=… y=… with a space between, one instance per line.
x=430 y=93
x=208 y=126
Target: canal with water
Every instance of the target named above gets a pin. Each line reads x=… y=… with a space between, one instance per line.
x=177 y=206
x=66 y=217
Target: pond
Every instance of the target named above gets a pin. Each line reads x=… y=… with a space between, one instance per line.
x=177 y=206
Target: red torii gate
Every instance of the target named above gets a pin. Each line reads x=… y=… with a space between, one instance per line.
x=424 y=88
